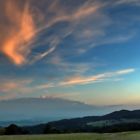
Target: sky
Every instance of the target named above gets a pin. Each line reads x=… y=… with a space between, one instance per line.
x=84 y=50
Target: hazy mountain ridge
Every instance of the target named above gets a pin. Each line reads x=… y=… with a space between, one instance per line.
x=29 y=111
x=123 y=120
x=116 y=121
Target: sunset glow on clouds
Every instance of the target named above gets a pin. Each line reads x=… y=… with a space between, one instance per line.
x=96 y=78
x=23 y=28
x=15 y=45
x=52 y=47
x=81 y=80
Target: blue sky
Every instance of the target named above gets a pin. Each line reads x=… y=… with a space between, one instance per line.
x=78 y=50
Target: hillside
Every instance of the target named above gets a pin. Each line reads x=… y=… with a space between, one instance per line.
x=117 y=121
x=115 y=118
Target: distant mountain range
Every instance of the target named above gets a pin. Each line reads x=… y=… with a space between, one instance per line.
x=117 y=121
x=30 y=111
x=115 y=117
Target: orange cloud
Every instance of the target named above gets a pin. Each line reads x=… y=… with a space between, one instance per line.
x=79 y=80
x=14 y=85
x=21 y=32
x=8 y=86
x=83 y=80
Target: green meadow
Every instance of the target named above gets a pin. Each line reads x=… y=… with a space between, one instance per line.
x=88 y=136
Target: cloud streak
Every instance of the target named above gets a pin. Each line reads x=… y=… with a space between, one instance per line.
x=93 y=79
x=135 y=2
x=13 y=85
x=77 y=15
x=82 y=80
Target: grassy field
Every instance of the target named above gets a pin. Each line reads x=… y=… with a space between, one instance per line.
x=113 y=136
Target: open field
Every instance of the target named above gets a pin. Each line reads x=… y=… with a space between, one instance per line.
x=113 y=136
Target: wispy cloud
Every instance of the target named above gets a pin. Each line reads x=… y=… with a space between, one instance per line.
x=77 y=15
x=83 y=80
x=13 y=85
x=23 y=28
x=18 y=88
x=27 y=30
x=97 y=78
x=136 y=2
x=45 y=86
x=126 y=71
x=11 y=88
x=77 y=68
